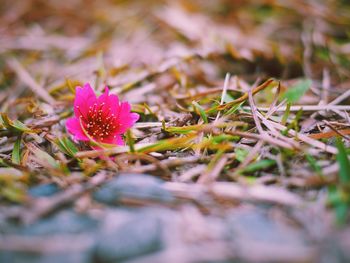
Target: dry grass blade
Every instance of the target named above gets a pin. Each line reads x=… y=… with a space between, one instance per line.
x=243 y=97
x=306 y=108
x=28 y=80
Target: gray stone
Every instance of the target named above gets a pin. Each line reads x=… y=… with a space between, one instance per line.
x=65 y=222
x=133 y=186
x=271 y=241
x=70 y=237
x=22 y=257
x=43 y=190
x=333 y=251
x=63 y=237
x=139 y=236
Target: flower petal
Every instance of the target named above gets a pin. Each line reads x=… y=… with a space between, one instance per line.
x=103 y=97
x=84 y=98
x=116 y=140
x=110 y=101
x=74 y=128
x=126 y=119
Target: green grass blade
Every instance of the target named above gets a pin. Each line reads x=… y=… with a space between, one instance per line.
x=130 y=141
x=294 y=93
x=201 y=111
x=314 y=165
x=257 y=166
x=286 y=114
x=16 y=152
x=67 y=146
x=344 y=163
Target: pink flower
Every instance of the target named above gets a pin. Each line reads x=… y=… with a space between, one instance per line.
x=100 y=119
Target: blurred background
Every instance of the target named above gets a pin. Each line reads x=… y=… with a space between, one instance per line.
x=273 y=38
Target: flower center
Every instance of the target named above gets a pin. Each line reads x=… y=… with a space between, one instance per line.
x=100 y=122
